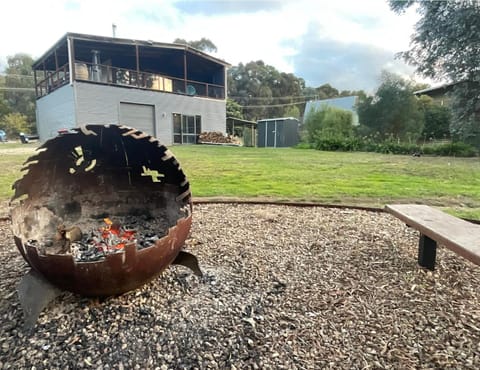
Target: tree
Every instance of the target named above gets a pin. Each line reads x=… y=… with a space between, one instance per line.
x=313 y=124
x=360 y=93
x=337 y=123
x=19 y=75
x=4 y=108
x=292 y=111
x=326 y=91
x=393 y=110
x=437 y=119
x=445 y=46
x=14 y=124
x=328 y=123
x=203 y=44
x=263 y=90
x=465 y=103
x=234 y=109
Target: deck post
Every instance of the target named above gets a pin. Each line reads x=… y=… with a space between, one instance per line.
x=427 y=251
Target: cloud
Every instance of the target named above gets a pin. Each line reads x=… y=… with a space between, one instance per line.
x=344 y=65
x=72 y=5
x=346 y=42
x=216 y=7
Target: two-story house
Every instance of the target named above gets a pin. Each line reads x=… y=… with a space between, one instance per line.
x=171 y=91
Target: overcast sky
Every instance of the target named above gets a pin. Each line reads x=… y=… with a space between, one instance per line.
x=342 y=42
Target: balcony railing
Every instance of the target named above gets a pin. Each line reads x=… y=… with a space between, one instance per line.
x=53 y=81
x=109 y=75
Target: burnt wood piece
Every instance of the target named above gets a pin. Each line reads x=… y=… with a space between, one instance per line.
x=435 y=226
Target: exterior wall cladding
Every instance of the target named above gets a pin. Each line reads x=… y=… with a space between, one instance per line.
x=55 y=111
x=100 y=104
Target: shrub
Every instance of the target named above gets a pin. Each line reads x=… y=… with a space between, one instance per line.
x=345 y=144
x=328 y=123
x=457 y=149
x=303 y=145
x=391 y=146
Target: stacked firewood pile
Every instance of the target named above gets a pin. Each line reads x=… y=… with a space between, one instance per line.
x=217 y=138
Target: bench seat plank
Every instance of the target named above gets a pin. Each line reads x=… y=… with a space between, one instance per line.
x=460 y=236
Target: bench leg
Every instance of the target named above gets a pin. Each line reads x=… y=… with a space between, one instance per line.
x=427 y=251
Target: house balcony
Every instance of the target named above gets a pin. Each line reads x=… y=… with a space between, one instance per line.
x=122 y=77
x=149 y=65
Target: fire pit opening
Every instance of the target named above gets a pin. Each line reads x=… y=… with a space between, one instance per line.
x=101 y=210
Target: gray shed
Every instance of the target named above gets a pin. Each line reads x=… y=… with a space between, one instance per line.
x=278 y=132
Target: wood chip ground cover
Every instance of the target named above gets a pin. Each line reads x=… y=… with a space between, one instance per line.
x=284 y=288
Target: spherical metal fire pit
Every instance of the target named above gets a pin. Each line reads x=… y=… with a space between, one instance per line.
x=102 y=210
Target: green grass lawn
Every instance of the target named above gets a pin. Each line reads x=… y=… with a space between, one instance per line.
x=12 y=157
x=332 y=177
x=366 y=179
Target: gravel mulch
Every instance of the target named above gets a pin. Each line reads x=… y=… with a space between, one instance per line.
x=284 y=287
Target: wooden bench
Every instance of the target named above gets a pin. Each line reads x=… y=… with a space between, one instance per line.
x=435 y=226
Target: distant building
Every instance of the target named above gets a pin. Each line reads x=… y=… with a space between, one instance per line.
x=171 y=91
x=437 y=93
x=348 y=103
x=278 y=132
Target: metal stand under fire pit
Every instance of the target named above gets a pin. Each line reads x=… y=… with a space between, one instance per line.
x=102 y=210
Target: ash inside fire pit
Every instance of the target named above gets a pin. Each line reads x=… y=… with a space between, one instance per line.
x=87 y=241
x=102 y=210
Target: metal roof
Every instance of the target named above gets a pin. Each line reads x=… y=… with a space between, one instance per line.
x=278 y=119
x=241 y=120
x=123 y=41
x=342 y=102
x=439 y=87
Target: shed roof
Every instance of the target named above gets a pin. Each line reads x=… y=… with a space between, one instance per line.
x=278 y=119
x=241 y=120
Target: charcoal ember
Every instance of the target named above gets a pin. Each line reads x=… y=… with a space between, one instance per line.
x=147 y=241
x=91 y=255
x=96 y=243
x=93 y=247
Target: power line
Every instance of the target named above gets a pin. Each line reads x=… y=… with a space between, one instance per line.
x=271 y=106
x=12 y=88
x=17 y=88
x=273 y=97
x=15 y=75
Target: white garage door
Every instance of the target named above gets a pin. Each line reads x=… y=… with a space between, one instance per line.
x=139 y=116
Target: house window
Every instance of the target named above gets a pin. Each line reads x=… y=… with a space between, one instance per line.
x=186 y=128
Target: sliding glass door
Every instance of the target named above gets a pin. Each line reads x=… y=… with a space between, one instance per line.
x=186 y=128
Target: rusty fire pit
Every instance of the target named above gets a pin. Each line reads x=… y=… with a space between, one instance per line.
x=102 y=210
